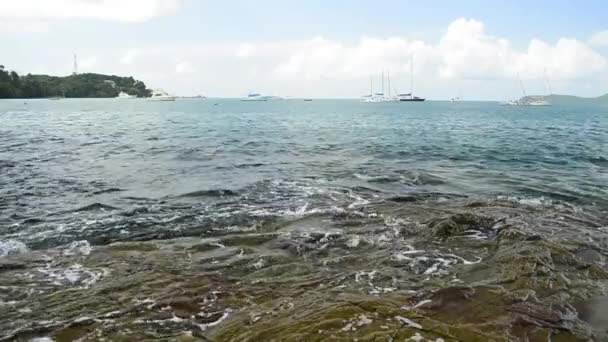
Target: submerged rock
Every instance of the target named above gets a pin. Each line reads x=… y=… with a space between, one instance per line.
x=482 y=274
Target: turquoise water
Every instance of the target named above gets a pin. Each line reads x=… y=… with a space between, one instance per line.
x=127 y=168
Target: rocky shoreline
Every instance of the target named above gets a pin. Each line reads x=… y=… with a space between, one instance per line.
x=392 y=271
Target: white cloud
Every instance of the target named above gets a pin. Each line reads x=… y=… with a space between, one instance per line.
x=129 y=56
x=87 y=64
x=568 y=59
x=245 y=50
x=599 y=39
x=184 y=67
x=116 y=10
x=20 y=26
x=465 y=51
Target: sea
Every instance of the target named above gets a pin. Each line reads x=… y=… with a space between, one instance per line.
x=102 y=198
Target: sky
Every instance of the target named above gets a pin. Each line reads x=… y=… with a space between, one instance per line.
x=475 y=49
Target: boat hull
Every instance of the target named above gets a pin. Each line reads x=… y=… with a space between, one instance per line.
x=412 y=100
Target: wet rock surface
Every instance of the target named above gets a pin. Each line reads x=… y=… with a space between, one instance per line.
x=395 y=271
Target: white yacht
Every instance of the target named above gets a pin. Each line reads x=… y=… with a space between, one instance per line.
x=381 y=96
x=535 y=101
x=256 y=97
x=124 y=95
x=161 y=95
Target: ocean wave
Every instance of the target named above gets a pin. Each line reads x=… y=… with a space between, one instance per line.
x=12 y=247
x=377 y=179
x=104 y=191
x=210 y=193
x=95 y=207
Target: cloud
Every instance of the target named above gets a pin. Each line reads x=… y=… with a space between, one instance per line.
x=465 y=51
x=87 y=64
x=114 y=10
x=20 y=26
x=245 y=50
x=129 y=56
x=184 y=67
x=599 y=39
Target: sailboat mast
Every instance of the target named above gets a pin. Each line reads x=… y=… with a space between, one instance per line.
x=388 y=74
x=412 y=76
x=382 y=81
x=548 y=83
x=523 y=90
x=371 y=85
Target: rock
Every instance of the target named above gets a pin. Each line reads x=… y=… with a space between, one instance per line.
x=446 y=228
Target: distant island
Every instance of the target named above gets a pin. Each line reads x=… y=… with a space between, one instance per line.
x=13 y=86
x=570 y=99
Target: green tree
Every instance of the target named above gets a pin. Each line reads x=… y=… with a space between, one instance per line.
x=83 y=85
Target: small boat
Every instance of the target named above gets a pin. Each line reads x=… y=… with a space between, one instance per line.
x=256 y=97
x=55 y=98
x=161 y=95
x=124 y=95
x=307 y=100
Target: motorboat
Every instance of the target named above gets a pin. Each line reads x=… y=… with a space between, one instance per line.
x=161 y=95
x=124 y=95
x=256 y=97
x=409 y=98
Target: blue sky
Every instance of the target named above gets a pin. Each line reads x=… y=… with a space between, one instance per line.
x=316 y=48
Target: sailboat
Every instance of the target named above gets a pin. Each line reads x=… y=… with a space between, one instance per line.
x=410 y=96
x=530 y=100
x=370 y=97
x=381 y=96
x=537 y=100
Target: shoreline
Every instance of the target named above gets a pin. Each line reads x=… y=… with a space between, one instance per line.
x=374 y=271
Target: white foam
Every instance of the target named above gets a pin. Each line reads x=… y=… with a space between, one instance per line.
x=12 y=247
x=259 y=264
x=73 y=275
x=348 y=327
x=416 y=338
x=42 y=339
x=421 y=303
x=82 y=247
x=205 y=326
x=359 y=201
x=370 y=275
x=354 y=241
x=531 y=201
x=464 y=261
x=408 y=322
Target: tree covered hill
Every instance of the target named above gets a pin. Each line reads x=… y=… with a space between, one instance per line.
x=13 y=85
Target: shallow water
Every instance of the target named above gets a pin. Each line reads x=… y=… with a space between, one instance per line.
x=174 y=220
